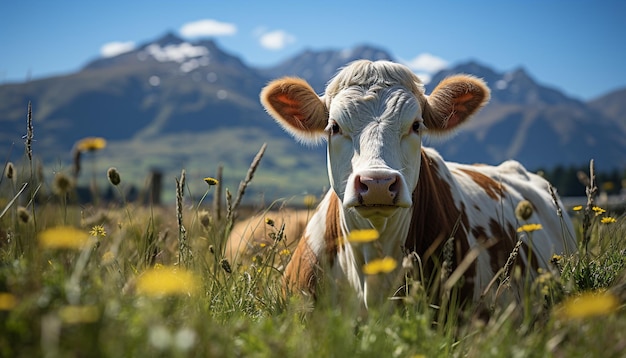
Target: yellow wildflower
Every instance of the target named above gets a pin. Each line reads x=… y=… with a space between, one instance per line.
x=166 y=281
x=91 y=144
x=359 y=236
x=7 y=301
x=577 y=208
x=590 y=304
x=63 y=237
x=598 y=210
x=98 y=230
x=211 y=181
x=284 y=252
x=108 y=257
x=529 y=227
x=79 y=314
x=608 y=220
x=309 y=200
x=384 y=265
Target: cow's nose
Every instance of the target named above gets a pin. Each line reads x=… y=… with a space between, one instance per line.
x=377 y=190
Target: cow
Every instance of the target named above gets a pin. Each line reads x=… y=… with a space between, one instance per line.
x=373 y=116
x=260 y=232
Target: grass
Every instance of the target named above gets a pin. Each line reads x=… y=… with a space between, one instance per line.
x=115 y=284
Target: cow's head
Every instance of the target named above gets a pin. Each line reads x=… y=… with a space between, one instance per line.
x=373 y=115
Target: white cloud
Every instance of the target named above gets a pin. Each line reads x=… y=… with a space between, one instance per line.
x=428 y=63
x=207 y=27
x=112 y=49
x=276 y=40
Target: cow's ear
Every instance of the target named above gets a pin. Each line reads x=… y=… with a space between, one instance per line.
x=453 y=101
x=296 y=107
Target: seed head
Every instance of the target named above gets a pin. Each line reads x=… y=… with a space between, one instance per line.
x=524 y=210
x=62 y=184
x=114 y=176
x=9 y=171
x=23 y=214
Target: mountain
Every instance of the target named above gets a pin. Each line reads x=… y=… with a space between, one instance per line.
x=172 y=104
x=317 y=67
x=535 y=124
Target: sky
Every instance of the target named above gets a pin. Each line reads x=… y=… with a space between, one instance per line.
x=578 y=47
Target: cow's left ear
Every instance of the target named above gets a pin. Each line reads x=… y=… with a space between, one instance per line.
x=453 y=101
x=296 y=107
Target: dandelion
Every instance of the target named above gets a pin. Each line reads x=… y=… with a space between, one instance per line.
x=108 y=257
x=7 y=301
x=577 y=208
x=590 y=304
x=91 y=144
x=167 y=281
x=23 y=214
x=114 y=176
x=377 y=266
x=529 y=228
x=309 y=200
x=524 y=210
x=62 y=184
x=608 y=220
x=598 y=210
x=361 y=236
x=98 y=230
x=63 y=237
x=79 y=314
x=211 y=181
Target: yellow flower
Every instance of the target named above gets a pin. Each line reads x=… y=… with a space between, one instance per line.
x=284 y=252
x=7 y=301
x=108 y=257
x=359 y=236
x=590 y=304
x=309 y=200
x=211 y=181
x=608 y=220
x=598 y=210
x=384 y=265
x=91 y=144
x=63 y=237
x=577 y=208
x=79 y=314
x=529 y=227
x=166 y=281
x=98 y=230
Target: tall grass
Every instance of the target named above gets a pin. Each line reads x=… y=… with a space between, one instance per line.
x=133 y=280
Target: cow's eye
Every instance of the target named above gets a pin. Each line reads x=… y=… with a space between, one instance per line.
x=333 y=128
x=417 y=126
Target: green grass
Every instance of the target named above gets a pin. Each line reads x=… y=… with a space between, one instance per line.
x=90 y=301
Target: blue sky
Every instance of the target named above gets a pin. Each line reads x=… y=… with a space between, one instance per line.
x=575 y=46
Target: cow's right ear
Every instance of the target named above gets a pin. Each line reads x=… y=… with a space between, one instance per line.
x=296 y=107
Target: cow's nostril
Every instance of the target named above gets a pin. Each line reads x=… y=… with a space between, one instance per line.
x=361 y=185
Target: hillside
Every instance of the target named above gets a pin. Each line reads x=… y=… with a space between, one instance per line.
x=171 y=104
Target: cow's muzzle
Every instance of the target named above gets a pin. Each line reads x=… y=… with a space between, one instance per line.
x=377 y=191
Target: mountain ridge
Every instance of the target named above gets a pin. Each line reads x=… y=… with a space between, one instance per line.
x=171 y=87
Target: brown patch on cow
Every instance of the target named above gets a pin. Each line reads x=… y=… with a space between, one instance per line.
x=434 y=218
x=505 y=237
x=531 y=257
x=303 y=271
x=333 y=229
x=491 y=187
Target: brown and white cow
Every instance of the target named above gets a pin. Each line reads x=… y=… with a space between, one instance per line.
x=373 y=116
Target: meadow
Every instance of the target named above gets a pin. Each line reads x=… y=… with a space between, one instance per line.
x=125 y=279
